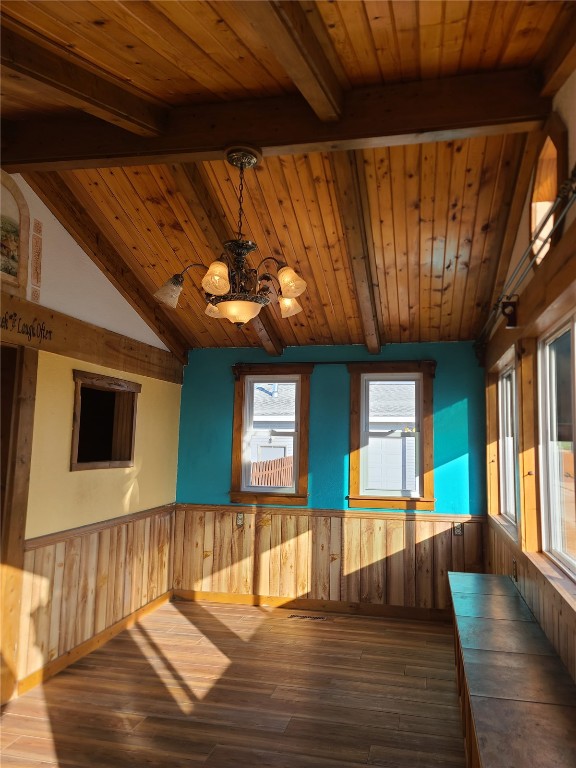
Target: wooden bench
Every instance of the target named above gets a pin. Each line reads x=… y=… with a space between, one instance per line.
x=518 y=700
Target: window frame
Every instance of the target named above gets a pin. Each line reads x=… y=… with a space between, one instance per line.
x=426 y=500
x=244 y=373
x=510 y=403
x=557 y=133
x=107 y=384
x=549 y=521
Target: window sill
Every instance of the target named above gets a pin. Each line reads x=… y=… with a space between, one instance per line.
x=508 y=526
x=558 y=579
x=555 y=576
x=76 y=467
x=390 y=502
x=250 y=497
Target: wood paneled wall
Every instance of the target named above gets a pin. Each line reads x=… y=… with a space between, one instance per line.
x=79 y=583
x=551 y=603
x=385 y=560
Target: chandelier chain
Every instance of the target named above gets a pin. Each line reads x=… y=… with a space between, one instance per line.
x=240 y=201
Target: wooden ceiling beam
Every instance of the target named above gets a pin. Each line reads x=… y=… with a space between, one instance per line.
x=99 y=97
x=297 y=49
x=59 y=198
x=349 y=183
x=211 y=218
x=406 y=113
x=265 y=331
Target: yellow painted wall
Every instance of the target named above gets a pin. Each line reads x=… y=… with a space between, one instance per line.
x=60 y=499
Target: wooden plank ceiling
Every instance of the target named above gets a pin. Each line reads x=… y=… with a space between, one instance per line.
x=394 y=139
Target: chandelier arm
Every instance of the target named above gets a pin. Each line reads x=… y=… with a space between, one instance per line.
x=279 y=264
x=190 y=267
x=269 y=276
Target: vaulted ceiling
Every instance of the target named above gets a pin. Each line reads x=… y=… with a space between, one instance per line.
x=398 y=143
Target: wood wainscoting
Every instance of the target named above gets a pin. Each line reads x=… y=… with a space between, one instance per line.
x=393 y=563
x=79 y=586
x=550 y=596
x=83 y=586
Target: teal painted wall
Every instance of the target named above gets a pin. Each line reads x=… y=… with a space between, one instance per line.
x=205 y=453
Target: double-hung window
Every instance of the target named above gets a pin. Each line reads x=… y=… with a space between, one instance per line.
x=270 y=439
x=508 y=444
x=558 y=425
x=391 y=435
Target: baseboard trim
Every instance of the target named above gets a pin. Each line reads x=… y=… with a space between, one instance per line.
x=57 y=665
x=331 y=606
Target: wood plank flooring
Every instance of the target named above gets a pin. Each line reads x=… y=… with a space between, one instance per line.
x=221 y=686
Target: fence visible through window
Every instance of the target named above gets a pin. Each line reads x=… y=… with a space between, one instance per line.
x=274 y=473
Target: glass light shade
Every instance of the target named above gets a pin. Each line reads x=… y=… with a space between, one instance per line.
x=291 y=284
x=216 y=280
x=169 y=293
x=238 y=311
x=213 y=311
x=288 y=306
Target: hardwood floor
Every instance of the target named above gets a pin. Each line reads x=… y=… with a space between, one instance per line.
x=205 y=684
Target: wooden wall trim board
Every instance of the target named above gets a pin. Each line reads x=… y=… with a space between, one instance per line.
x=18 y=475
x=87 y=530
x=31 y=325
x=492 y=448
x=14 y=516
x=315 y=512
x=549 y=593
x=527 y=375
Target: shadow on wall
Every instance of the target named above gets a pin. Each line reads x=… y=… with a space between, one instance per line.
x=352 y=559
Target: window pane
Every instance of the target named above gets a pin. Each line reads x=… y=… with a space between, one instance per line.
x=271 y=434
x=390 y=463
x=274 y=403
x=391 y=402
x=543 y=196
x=561 y=496
x=508 y=447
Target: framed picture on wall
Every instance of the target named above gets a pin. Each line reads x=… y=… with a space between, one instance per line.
x=14 y=232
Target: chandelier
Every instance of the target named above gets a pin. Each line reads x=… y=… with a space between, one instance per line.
x=234 y=290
